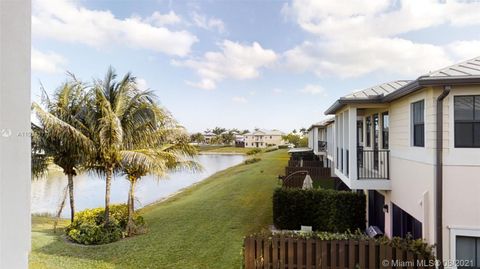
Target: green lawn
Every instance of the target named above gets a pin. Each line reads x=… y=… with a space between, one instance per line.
x=223 y=149
x=203 y=227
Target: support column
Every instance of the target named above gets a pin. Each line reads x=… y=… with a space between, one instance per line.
x=352 y=142
x=15 y=178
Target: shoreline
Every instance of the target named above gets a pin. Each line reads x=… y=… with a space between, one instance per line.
x=220 y=153
x=162 y=199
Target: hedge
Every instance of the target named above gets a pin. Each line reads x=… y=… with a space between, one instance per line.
x=324 y=210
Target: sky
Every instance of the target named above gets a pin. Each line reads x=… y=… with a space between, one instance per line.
x=250 y=64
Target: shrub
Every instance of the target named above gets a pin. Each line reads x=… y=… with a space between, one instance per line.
x=252 y=160
x=254 y=151
x=324 y=210
x=416 y=246
x=271 y=149
x=88 y=228
x=283 y=146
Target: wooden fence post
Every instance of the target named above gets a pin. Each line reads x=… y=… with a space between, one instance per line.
x=249 y=250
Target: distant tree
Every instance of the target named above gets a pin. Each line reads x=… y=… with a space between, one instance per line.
x=303 y=142
x=216 y=140
x=234 y=130
x=197 y=137
x=303 y=131
x=227 y=138
x=246 y=131
x=218 y=130
x=296 y=139
x=294 y=131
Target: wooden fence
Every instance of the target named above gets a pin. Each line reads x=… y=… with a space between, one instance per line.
x=297 y=163
x=297 y=253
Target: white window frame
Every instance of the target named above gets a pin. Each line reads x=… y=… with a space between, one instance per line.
x=460 y=231
x=412 y=144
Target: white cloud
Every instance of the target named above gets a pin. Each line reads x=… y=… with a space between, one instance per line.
x=357 y=18
x=160 y=19
x=233 y=61
x=47 y=62
x=239 y=99
x=69 y=22
x=354 y=37
x=465 y=49
x=313 y=90
x=142 y=84
x=352 y=58
x=212 y=23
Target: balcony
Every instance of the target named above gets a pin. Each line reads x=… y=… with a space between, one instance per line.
x=373 y=164
x=322 y=145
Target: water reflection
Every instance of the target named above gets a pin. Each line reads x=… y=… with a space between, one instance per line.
x=89 y=189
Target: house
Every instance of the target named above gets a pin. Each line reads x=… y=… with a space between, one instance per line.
x=413 y=147
x=208 y=137
x=317 y=140
x=239 y=140
x=264 y=138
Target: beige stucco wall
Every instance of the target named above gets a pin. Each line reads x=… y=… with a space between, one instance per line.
x=265 y=139
x=413 y=168
x=461 y=200
x=411 y=182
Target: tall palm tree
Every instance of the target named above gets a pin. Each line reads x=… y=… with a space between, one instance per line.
x=119 y=106
x=59 y=135
x=160 y=149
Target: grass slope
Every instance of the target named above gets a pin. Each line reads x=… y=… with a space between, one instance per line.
x=202 y=227
x=223 y=149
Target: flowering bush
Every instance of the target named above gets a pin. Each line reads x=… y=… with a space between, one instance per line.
x=89 y=226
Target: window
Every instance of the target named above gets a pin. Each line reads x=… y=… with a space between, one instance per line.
x=404 y=224
x=468 y=251
x=359 y=133
x=418 y=123
x=369 y=131
x=385 y=128
x=467 y=121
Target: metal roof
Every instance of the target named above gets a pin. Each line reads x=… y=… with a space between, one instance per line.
x=464 y=69
x=322 y=123
x=266 y=132
x=464 y=73
x=298 y=150
x=378 y=90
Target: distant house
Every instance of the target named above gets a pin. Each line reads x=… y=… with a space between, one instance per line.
x=239 y=140
x=264 y=138
x=208 y=137
x=318 y=134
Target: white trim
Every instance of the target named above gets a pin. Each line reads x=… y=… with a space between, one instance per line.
x=418 y=99
x=460 y=231
x=459 y=156
x=15 y=178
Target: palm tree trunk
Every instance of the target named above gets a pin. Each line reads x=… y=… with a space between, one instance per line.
x=72 y=199
x=60 y=209
x=130 y=229
x=108 y=182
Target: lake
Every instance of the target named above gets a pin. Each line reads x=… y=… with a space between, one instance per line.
x=47 y=192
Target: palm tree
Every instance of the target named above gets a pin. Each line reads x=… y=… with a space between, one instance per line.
x=59 y=133
x=171 y=152
x=121 y=117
